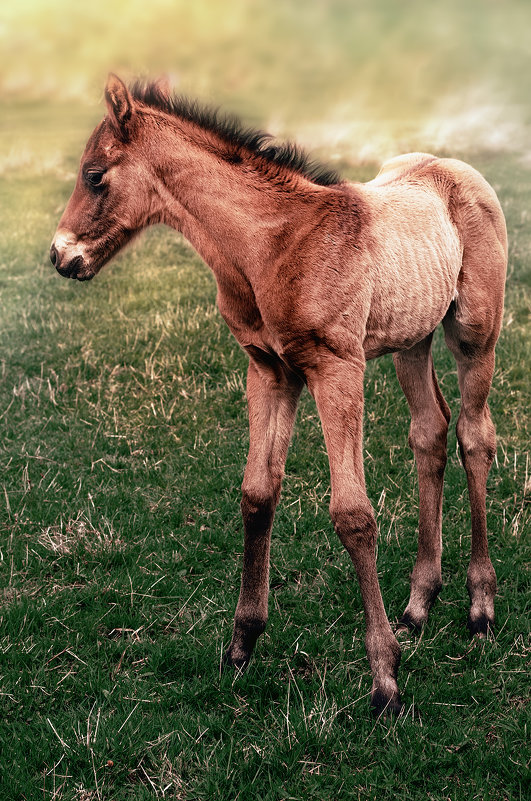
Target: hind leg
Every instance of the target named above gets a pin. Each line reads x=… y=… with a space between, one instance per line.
x=427 y=438
x=477 y=444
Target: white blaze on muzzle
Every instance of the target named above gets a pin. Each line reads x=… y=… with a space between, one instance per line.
x=67 y=245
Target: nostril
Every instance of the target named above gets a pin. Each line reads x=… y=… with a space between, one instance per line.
x=54 y=256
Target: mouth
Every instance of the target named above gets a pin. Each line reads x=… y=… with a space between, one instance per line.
x=76 y=269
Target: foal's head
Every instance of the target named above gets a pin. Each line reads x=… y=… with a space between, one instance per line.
x=113 y=198
x=147 y=138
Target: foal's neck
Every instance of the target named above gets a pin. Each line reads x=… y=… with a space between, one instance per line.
x=233 y=213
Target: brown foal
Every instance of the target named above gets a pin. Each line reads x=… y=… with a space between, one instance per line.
x=315 y=276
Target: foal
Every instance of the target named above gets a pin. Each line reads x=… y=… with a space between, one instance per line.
x=315 y=276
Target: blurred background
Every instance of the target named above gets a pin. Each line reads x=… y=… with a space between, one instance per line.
x=123 y=429
x=354 y=80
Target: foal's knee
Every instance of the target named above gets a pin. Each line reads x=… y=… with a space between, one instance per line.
x=355 y=526
x=258 y=505
x=428 y=441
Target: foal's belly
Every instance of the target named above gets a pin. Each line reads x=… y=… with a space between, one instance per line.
x=415 y=261
x=405 y=312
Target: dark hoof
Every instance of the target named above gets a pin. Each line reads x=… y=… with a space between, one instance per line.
x=383 y=705
x=480 y=627
x=238 y=664
x=407 y=622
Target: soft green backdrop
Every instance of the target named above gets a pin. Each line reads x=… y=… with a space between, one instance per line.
x=123 y=432
x=353 y=77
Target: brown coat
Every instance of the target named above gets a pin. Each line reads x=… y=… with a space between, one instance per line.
x=315 y=276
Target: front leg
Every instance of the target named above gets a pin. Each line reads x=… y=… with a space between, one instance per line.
x=272 y=397
x=337 y=386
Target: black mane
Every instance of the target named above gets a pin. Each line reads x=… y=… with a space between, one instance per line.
x=231 y=130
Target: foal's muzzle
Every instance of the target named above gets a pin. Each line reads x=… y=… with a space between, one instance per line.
x=67 y=259
x=66 y=268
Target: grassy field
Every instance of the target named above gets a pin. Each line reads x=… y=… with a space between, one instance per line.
x=124 y=434
x=123 y=442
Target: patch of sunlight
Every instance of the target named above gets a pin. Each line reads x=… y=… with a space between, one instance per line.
x=475 y=120
x=468 y=122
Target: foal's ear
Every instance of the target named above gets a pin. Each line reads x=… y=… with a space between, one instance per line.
x=119 y=105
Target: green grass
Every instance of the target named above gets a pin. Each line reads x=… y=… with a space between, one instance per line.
x=123 y=441
x=123 y=434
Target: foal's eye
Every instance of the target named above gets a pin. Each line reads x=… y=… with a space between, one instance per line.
x=94 y=177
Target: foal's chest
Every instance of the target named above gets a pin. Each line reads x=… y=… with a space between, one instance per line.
x=239 y=308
